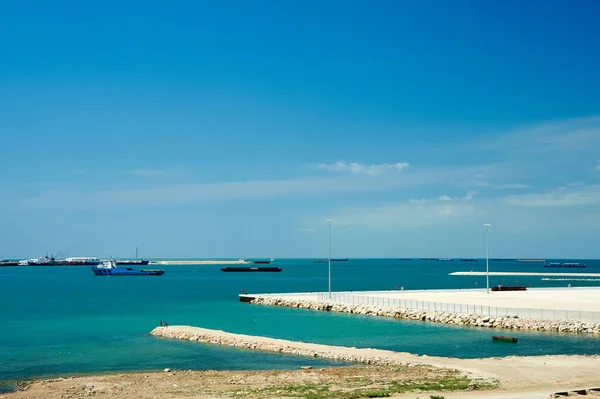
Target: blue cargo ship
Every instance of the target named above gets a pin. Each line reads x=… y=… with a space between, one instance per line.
x=109 y=268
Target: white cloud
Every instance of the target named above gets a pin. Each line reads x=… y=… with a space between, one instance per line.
x=153 y=172
x=306 y=230
x=189 y=193
x=510 y=186
x=514 y=162
x=501 y=186
x=563 y=197
x=578 y=134
x=598 y=167
x=549 y=154
x=412 y=213
x=363 y=169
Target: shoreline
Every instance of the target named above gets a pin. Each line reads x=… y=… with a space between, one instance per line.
x=515 y=377
x=512 y=372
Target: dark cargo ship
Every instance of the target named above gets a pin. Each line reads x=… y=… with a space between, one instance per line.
x=567 y=264
x=332 y=259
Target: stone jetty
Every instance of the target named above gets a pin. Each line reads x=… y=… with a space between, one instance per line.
x=339 y=353
x=505 y=322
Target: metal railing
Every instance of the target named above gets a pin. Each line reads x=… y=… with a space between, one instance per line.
x=482 y=310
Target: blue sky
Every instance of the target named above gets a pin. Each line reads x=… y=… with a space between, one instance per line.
x=234 y=129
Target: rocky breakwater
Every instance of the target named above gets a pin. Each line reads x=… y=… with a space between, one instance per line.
x=340 y=353
x=506 y=322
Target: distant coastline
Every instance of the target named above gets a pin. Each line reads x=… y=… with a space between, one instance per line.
x=51 y=261
x=201 y=262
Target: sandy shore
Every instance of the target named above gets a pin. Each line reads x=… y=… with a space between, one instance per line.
x=532 y=373
x=516 y=377
x=534 y=377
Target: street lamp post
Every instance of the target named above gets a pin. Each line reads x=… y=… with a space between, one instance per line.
x=329 y=221
x=487 y=259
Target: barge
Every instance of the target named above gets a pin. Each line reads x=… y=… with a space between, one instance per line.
x=567 y=264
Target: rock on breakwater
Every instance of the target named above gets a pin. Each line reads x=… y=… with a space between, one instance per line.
x=506 y=322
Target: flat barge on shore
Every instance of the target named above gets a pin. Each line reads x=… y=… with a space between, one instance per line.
x=509 y=288
x=568 y=264
x=9 y=262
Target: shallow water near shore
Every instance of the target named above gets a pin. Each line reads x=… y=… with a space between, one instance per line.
x=64 y=320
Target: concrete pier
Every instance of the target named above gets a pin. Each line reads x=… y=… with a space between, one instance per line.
x=561 y=309
x=544 y=274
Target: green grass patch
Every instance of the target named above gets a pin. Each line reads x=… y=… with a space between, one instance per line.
x=353 y=390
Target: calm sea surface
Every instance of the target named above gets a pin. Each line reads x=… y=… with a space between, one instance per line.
x=64 y=320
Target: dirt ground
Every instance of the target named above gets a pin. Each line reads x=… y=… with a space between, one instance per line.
x=515 y=378
x=340 y=382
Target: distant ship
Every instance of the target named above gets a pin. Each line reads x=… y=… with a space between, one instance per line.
x=427 y=258
x=444 y=259
x=132 y=262
x=503 y=259
x=259 y=262
x=109 y=268
x=43 y=261
x=568 y=264
x=83 y=261
x=9 y=262
x=332 y=259
x=251 y=269
x=468 y=260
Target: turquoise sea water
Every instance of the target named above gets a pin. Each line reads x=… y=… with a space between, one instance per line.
x=64 y=320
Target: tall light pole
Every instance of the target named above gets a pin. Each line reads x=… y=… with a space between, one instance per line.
x=487 y=259
x=329 y=221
